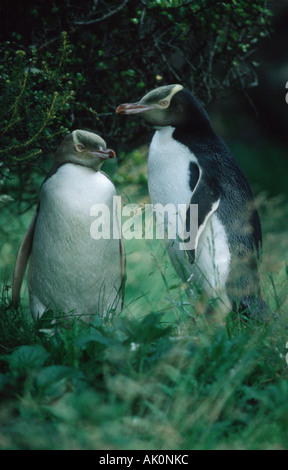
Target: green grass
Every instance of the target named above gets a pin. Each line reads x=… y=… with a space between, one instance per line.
x=159 y=377
x=153 y=379
x=143 y=384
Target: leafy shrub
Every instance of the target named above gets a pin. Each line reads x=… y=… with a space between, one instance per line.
x=35 y=110
x=116 y=52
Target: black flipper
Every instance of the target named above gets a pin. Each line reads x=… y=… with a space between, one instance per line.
x=207 y=201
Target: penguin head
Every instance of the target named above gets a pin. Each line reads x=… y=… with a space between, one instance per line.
x=83 y=148
x=170 y=105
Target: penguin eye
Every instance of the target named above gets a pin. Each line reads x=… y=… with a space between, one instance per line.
x=163 y=103
x=79 y=147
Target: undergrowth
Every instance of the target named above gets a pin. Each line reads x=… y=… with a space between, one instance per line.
x=143 y=384
x=159 y=377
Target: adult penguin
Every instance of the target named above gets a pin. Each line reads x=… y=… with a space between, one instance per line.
x=190 y=164
x=70 y=271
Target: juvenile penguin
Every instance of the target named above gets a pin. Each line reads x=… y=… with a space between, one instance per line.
x=70 y=271
x=189 y=164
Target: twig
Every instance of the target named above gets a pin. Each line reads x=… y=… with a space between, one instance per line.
x=104 y=17
x=35 y=136
x=15 y=105
x=166 y=62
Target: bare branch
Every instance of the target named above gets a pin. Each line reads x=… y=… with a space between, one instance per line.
x=166 y=62
x=104 y=17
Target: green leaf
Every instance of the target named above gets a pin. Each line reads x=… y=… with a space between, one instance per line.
x=45 y=322
x=54 y=381
x=26 y=358
x=95 y=337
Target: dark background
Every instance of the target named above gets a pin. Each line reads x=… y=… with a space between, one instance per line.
x=121 y=50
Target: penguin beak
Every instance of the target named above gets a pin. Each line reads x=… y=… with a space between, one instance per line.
x=132 y=108
x=105 y=154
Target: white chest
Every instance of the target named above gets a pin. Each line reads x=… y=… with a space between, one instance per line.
x=168 y=183
x=168 y=169
x=68 y=267
x=71 y=191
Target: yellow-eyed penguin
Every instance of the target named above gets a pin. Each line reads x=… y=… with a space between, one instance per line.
x=189 y=164
x=70 y=271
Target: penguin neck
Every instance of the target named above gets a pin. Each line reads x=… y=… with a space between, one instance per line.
x=194 y=120
x=58 y=164
x=199 y=130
